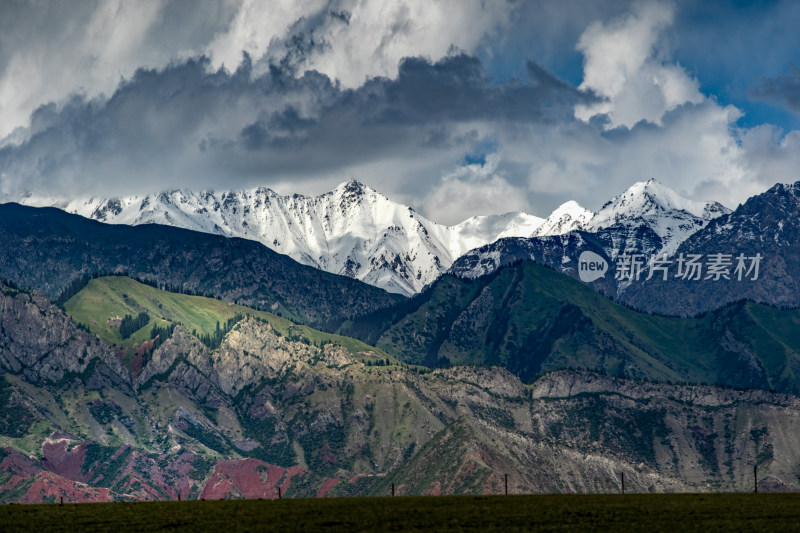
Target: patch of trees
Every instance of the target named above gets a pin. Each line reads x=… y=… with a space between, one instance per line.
x=131 y=325
x=378 y=362
x=72 y=289
x=213 y=340
x=160 y=334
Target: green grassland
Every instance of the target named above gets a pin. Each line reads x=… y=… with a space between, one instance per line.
x=116 y=296
x=651 y=513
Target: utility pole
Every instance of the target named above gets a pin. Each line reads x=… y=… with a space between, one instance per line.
x=622 y=476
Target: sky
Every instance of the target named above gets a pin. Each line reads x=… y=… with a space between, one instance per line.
x=455 y=107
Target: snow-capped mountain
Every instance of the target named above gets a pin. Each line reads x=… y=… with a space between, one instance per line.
x=648 y=218
x=479 y=230
x=567 y=217
x=765 y=230
x=672 y=217
x=353 y=230
x=358 y=232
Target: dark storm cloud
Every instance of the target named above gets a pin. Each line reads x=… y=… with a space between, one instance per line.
x=188 y=125
x=782 y=90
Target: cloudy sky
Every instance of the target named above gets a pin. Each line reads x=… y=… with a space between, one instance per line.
x=456 y=107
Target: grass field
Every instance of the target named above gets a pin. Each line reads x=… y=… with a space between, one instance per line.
x=651 y=513
x=116 y=296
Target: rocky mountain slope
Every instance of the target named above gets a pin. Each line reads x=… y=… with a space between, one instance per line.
x=531 y=319
x=48 y=249
x=766 y=226
x=264 y=411
x=352 y=231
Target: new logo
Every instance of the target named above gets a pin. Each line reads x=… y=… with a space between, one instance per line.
x=591 y=267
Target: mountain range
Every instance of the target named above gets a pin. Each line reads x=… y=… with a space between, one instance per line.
x=147 y=362
x=759 y=235
x=358 y=232
x=352 y=231
x=648 y=218
x=533 y=320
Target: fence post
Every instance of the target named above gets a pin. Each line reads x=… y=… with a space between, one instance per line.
x=392 y=490
x=279 y=493
x=622 y=476
x=505 y=476
x=755 y=478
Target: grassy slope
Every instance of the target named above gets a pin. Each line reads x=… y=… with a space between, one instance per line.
x=111 y=296
x=532 y=319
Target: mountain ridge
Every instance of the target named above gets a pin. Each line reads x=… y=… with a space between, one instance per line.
x=532 y=319
x=47 y=249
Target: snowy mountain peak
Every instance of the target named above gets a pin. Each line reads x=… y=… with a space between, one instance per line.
x=354 y=190
x=671 y=216
x=569 y=216
x=645 y=197
x=353 y=186
x=648 y=218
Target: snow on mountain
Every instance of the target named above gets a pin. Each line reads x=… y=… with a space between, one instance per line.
x=358 y=232
x=648 y=218
x=672 y=217
x=479 y=230
x=352 y=230
x=567 y=217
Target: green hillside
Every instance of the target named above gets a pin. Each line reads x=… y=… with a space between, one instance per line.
x=532 y=319
x=105 y=299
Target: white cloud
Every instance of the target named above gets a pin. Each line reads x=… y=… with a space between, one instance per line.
x=657 y=123
x=473 y=190
x=89 y=46
x=773 y=155
x=354 y=40
x=696 y=151
x=624 y=65
x=51 y=50
x=379 y=34
x=255 y=26
x=184 y=127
